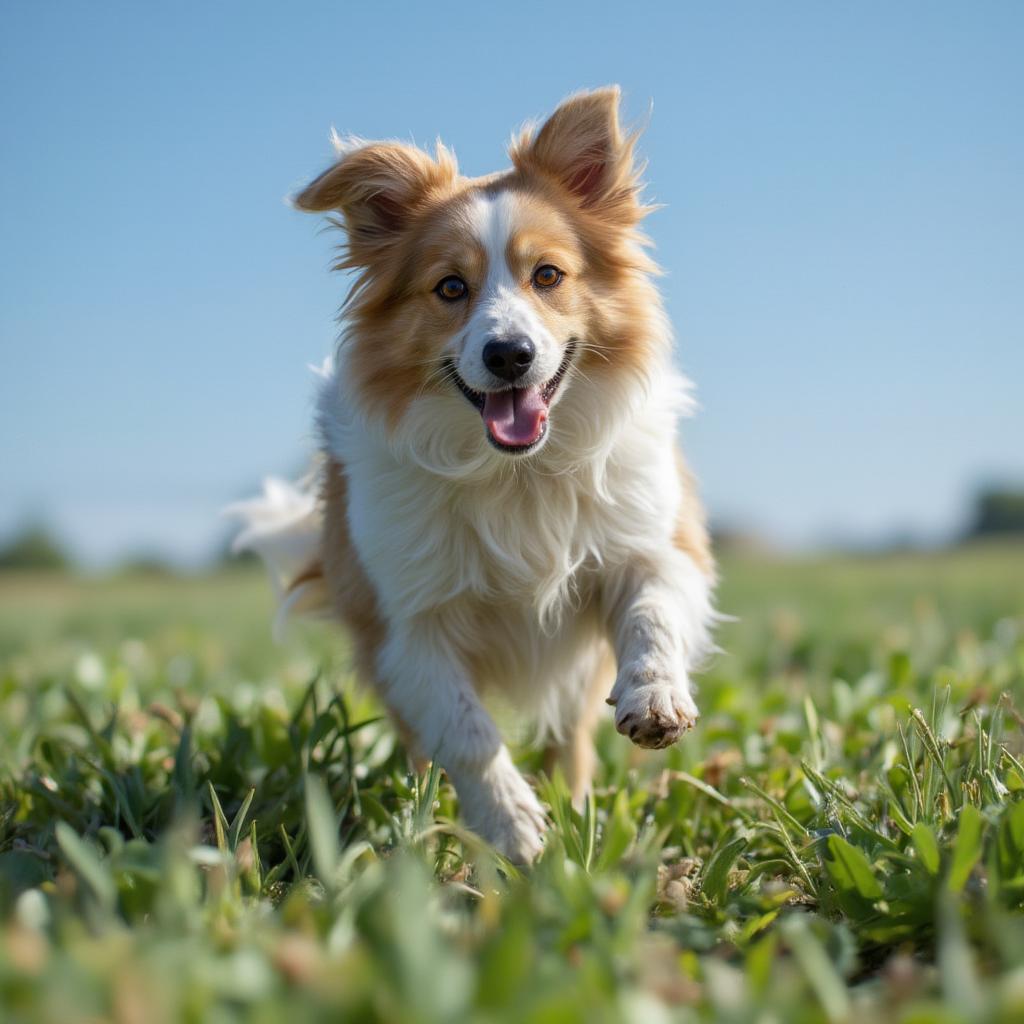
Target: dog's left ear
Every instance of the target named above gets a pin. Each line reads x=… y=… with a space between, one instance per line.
x=583 y=147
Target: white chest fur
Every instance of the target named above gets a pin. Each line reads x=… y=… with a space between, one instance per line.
x=516 y=533
x=508 y=558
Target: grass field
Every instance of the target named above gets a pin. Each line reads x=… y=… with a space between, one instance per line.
x=196 y=825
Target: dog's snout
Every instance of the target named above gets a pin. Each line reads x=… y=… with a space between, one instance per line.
x=509 y=358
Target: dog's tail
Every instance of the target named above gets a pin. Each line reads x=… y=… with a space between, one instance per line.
x=284 y=526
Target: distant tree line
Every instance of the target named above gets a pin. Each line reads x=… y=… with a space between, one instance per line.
x=34 y=547
x=997 y=511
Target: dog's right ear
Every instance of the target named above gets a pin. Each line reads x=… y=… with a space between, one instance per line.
x=377 y=187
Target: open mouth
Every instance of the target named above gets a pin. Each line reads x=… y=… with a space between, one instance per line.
x=516 y=418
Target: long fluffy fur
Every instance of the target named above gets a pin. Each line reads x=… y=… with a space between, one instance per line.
x=465 y=569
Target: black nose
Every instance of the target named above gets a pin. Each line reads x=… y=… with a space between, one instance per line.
x=509 y=358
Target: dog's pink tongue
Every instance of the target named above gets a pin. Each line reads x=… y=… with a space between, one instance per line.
x=515 y=417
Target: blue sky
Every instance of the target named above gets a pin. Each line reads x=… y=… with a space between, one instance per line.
x=842 y=236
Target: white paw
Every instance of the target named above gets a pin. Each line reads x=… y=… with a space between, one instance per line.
x=653 y=712
x=499 y=805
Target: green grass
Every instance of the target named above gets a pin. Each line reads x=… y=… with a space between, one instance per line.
x=196 y=825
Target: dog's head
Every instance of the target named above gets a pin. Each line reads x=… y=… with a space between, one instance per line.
x=497 y=295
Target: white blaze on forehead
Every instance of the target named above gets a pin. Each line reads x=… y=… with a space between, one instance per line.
x=501 y=308
x=492 y=217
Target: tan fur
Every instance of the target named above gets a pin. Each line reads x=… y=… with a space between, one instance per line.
x=575 y=754
x=691 y=535
x=350 y=590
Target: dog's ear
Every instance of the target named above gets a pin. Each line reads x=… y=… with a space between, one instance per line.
x=583 y=147
x=377 y=187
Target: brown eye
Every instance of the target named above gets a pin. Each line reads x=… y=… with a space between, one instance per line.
x=452 y=288
x=547 y=276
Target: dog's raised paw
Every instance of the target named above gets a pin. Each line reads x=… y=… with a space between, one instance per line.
x=655 y=715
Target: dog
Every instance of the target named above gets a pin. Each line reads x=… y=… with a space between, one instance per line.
x=501 y=505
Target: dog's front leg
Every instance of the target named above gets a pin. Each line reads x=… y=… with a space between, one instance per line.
x=658 y=614
x=432 y=696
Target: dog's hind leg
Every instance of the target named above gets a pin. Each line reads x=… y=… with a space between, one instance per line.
x=580 y=705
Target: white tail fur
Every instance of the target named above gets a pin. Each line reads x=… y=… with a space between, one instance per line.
x=284 y=526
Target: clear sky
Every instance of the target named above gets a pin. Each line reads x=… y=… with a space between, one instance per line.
x=842 y=235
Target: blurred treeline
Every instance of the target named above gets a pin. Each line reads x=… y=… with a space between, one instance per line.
x=997 y=512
